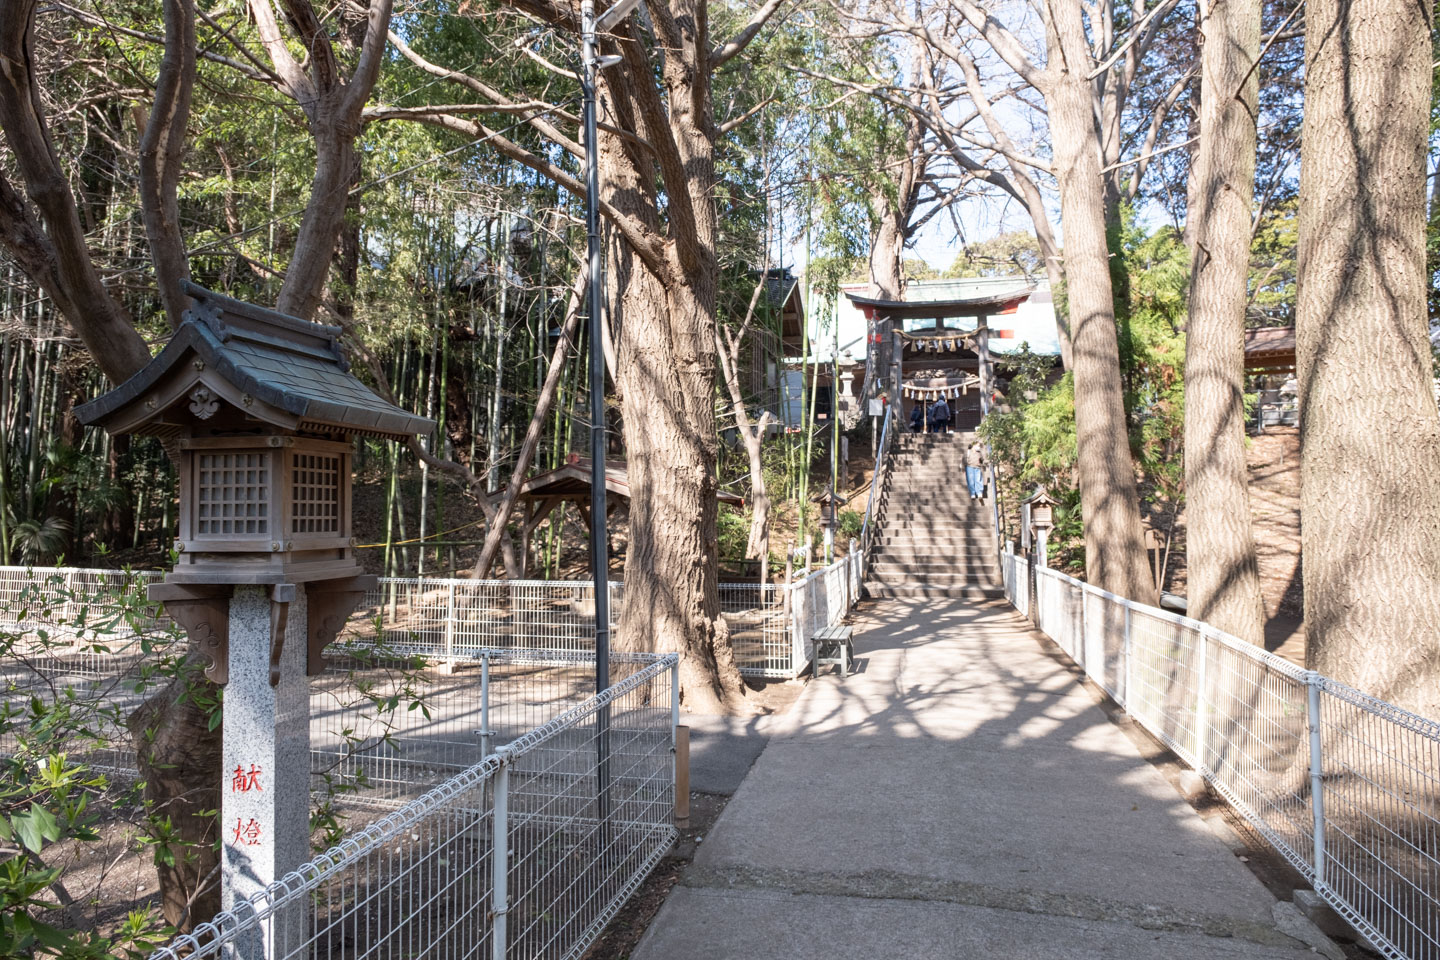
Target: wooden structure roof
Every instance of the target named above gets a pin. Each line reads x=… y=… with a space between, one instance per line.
x=783 y=293
x=1270 y=350
x=572 y=482
x=271 y=369
x=987 y=305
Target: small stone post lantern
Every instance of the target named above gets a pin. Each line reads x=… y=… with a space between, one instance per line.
x=1040 y=507
x=260 y=412
x=1038 y=513
x=830 y=502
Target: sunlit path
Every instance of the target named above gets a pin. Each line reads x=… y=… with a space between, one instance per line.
x=959 y=795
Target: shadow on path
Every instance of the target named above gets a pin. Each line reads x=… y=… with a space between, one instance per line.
x=960 y=796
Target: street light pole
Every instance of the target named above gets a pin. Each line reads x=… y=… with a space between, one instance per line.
x=599 y=527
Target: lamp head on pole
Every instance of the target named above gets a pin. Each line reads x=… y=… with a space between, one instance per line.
x=615 y=14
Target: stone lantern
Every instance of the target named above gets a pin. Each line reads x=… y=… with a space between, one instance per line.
x=830 y=502
x=260 y=412
x=1038 y=518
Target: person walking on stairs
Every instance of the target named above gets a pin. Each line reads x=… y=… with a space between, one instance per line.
x=939 y=416
x=917 y=417
x=974 y=475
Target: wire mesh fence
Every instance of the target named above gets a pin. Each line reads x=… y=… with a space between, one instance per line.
x=455 y=618
x=443 y=618
x=384 y=727
x=1345 y=786
x=527 y=853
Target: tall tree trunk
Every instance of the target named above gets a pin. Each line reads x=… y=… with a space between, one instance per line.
x=162 y=150
x=1114 y=548
x=336 y=169
x=1192 y=169
x=887 y=248
x=54 y=256
x=1370 y=432
x=887 y=282
x=179 y=760
x=1224 y=578
x=667 y=376
x=666 y=361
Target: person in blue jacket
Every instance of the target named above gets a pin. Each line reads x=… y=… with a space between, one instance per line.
x=939 y=416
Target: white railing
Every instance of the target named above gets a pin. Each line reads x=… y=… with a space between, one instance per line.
x=529 y=852
x=447 y=618
x=1345 y=786
x=822 y=599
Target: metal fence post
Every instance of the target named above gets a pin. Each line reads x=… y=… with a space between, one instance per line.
x=1125 y=665
x=500 y=861
x=853 y=572
x=681 y=804
x=1317 y=783
x=485 y=732
x=450 y=620
x=1202 y=717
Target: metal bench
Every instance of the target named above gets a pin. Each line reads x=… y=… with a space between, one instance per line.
x=834 y=646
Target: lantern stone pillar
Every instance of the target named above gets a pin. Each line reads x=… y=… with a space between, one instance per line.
x=265 y=786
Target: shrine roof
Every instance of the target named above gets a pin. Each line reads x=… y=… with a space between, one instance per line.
x=945 y=307
x=295 y=369
x=1270 y=340
x=1269 y=348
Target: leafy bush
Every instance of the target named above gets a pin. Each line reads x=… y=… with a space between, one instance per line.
x=53 y=801
x=733 y=528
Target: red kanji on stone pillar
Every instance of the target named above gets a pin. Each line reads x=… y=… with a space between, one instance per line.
x=246 y=834
x=243 y=781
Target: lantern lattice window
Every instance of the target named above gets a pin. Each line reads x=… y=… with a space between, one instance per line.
x=232 y=492
x=315 y=494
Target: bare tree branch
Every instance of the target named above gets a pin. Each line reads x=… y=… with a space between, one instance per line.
x=68 y=274
x=162 y=147
x=722 y=54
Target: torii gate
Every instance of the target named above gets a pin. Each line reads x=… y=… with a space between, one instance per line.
x=892 y=349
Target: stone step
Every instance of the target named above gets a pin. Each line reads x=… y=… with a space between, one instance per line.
x=922 y=551
x=971 y=532
x=933 y=552
x=934 y=576
x=975 y=544
x=920 y=514
x=909 y=480
x=968 y=592
x=905 y=517
x=959 y=570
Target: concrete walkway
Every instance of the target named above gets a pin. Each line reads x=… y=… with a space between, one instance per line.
x=959 y=796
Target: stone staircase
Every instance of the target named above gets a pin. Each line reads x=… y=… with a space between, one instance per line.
x=931 y=539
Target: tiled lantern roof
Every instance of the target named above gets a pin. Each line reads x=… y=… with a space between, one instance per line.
x=233 y=362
